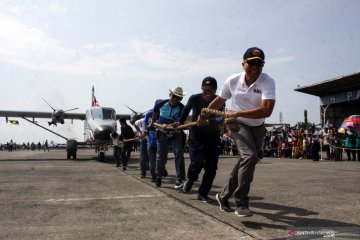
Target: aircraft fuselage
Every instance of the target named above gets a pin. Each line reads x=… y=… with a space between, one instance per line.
x=99 y=123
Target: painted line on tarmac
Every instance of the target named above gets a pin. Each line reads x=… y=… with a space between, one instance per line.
x=102 y=198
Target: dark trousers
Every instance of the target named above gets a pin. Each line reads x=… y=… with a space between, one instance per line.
x=125 y=154
x=204 y=153
x=314 y=149
x=144 y=159
x=249 y=141
x=350 y=152
x=116 y=154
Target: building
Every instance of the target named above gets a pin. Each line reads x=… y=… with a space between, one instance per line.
x=339 y=98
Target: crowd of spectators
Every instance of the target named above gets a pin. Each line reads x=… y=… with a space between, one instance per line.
x=335 y=144
x=13 y=146
x=329 y=143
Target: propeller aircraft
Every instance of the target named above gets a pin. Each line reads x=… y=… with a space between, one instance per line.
x=99 y=123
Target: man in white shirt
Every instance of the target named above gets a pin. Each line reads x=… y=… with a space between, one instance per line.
x=253 y=98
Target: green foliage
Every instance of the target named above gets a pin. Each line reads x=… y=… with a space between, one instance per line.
x=303 y=125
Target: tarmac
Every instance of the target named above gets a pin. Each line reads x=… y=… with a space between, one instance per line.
x=45 y=196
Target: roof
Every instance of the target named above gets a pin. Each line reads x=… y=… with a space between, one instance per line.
x=332 y=86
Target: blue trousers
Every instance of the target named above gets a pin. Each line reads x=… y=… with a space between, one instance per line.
x=163 y=143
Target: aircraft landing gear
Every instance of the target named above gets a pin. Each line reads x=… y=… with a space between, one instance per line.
x=71 y=148
x=101 y=149
x=70 y=154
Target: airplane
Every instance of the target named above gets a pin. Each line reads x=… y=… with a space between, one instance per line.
x=99 y=123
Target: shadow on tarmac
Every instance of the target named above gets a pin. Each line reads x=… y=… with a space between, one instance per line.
x=286 y=216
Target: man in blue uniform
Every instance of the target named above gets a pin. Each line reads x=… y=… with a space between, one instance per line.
x=168 y=112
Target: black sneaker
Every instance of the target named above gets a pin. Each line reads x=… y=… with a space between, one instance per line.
x=158 y=182
x=124 y=168
x=179 y=184
x=187 y=186
x=224 y=205
x=143 y=174
x=243 y=211
x=204 y=199
x=153 y=178
x=165 y=174
x=117 y=165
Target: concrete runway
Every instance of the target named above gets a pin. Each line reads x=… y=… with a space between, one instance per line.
x=45 y=196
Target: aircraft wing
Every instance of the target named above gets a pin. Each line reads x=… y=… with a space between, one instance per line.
x=28 y=114
x=119 y=116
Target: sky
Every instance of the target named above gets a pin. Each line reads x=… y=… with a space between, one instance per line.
x=134 y=51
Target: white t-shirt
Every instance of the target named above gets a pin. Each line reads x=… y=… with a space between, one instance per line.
x=246 y=98
x=140 y=124
x=116 y=140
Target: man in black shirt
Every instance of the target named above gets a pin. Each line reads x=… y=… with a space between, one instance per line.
x=204 y=140
x=126 y=133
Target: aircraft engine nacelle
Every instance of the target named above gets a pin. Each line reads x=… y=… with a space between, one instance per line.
x=71 y=148
x=135 y=116
x=57 y=117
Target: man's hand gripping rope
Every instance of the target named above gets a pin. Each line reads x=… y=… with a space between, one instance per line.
x=230 y=122
x=173 y=127
x=121 y=144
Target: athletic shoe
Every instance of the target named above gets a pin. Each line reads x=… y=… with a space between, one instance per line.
x=179 y=184
x=143 y=174
x=153 y=178
x=224 y=205
x=124 y=168
x=158 y=182
x=187 y=186
x=243 y=211
x=165 y=174
x=204 y=199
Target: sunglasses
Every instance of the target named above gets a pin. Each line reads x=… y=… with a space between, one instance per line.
x=176 y=97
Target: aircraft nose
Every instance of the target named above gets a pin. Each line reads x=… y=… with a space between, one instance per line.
x=103 y=132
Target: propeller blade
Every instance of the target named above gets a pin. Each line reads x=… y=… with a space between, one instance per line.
x=131 y=109
x=48 y=104
x=71 y=109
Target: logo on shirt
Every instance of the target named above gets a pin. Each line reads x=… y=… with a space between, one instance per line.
x=257 y=91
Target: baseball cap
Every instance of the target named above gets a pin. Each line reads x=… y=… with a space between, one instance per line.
x=253 y=54
x=209 y=83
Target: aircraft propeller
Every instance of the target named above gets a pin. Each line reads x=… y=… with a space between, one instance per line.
x=135 y=115
x=57 y=115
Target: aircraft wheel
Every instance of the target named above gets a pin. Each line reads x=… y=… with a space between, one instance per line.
x=74 y=155
x=101 y=156
x=68 y=155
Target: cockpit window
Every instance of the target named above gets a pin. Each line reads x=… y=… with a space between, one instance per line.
x=102 y=113
x=96 y=113
x=109 y=114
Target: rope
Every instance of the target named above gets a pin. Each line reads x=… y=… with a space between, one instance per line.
x=124 y=141
x=172 y=128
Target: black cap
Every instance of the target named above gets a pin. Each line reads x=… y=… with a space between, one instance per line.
x=253 y=54
x=209 y=83
x=122 y=120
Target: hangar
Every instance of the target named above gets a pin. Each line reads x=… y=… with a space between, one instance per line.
x=339 y=98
